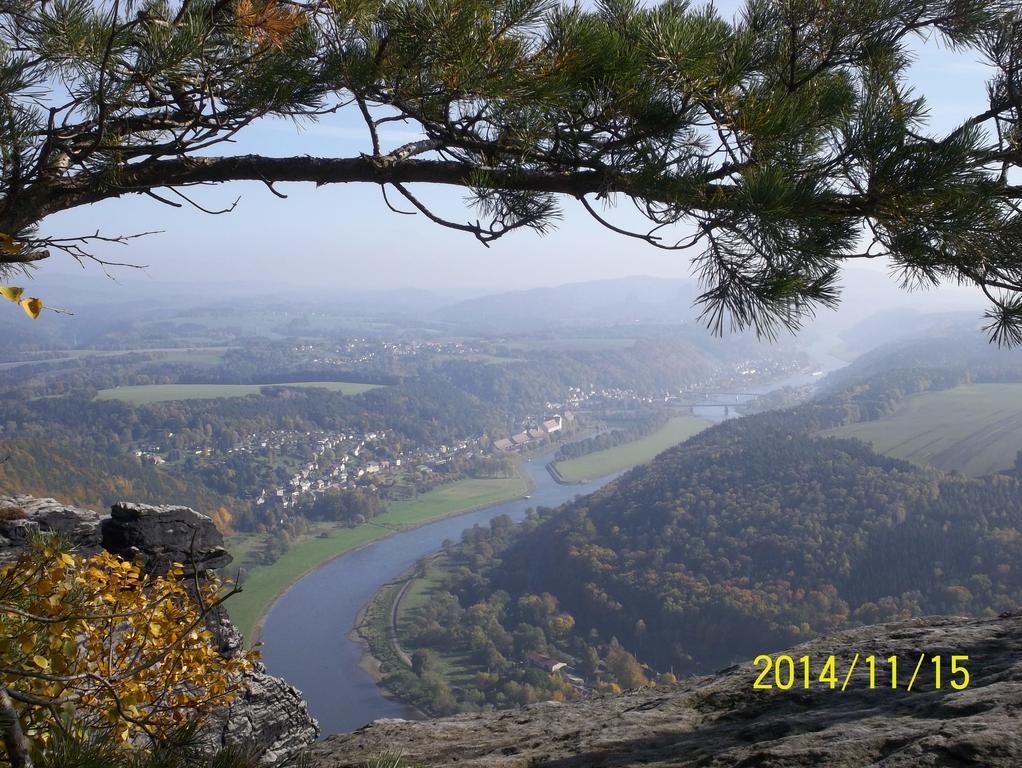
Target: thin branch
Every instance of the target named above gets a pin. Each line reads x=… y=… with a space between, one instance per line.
x=163 y=200
x=206 y=210
x=383 y=189
x=370 y=124
x=649 y=237
x=473 y=229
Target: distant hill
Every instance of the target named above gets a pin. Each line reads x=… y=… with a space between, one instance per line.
x=936 y=342
x=867 y=293
x=909 y=324
x=600 y=302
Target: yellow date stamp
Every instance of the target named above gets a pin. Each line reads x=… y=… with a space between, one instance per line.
x=926 y=672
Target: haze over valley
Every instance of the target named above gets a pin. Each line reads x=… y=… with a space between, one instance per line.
x=510 y=384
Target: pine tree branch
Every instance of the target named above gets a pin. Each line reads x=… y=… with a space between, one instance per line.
x=48 y=197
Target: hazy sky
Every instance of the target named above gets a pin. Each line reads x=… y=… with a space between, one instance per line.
x=344 y=236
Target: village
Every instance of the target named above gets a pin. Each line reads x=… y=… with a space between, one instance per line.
x=286 y=467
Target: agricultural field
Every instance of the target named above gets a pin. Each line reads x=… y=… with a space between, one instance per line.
x=263 y=583
x=199 y=356
x=462 y=496
x=625 y=456
x=196 y=356
x=145 y=394
x=975 y=429
x=475 y=358
x=570 y=344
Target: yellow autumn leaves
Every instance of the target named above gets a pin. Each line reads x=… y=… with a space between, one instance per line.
x=9 y=245
x=126 y=651
x=32 y=305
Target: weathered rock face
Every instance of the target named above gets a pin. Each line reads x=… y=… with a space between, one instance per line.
x=722 y=721
x=160 y=536
x=270 y=716
x=270 y=713
x=163 y=535
x=20 y=516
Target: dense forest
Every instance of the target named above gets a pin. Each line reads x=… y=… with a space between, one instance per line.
x=506 y=640
x=757 y=534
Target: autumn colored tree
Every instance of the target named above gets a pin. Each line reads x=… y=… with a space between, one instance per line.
x=624 y=667
x=222 y=519
x=779 y=145
x=96 y=641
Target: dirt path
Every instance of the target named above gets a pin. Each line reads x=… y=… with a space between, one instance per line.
x=392 y=629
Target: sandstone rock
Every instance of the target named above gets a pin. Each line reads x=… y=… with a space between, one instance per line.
x=164 y=535
x=270 y=716
x=721 y=720
x=79 y=526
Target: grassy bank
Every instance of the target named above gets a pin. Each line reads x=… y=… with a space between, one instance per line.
x=628 y=455
x=456 y=668
x=144 y=394
x=264 y=583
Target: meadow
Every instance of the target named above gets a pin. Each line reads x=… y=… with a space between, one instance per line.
x=975 y=429
x=195 y=356
x=145 y=394
x=572 y=344
x=628 y=455
x=264 y=583
x=456 y=666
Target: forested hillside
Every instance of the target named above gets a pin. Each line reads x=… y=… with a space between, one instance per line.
x=75 y=474
x=758 y=534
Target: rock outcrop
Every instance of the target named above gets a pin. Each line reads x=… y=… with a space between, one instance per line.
x=721 y=720
x=163 y=535
x=20 y=516
x=270 y=715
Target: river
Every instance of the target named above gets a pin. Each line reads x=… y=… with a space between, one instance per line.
x=305 y=635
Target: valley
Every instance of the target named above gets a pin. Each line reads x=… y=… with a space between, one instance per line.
x=603 y=518
x=265 y=583
x=510 y=384
x=699 y=559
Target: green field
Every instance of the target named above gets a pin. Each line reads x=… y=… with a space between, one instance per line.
x=457 y=666
x=975 y=429
x=145 y=394
x=197 y=355
x=203 y=356
x=580 y=344
x=628 y=455
x=262 y=584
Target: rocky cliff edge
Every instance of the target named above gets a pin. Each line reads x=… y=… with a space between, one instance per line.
x=721 y=720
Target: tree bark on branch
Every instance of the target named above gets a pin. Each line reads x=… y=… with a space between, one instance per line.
x=13 y=737
x=49 y=197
